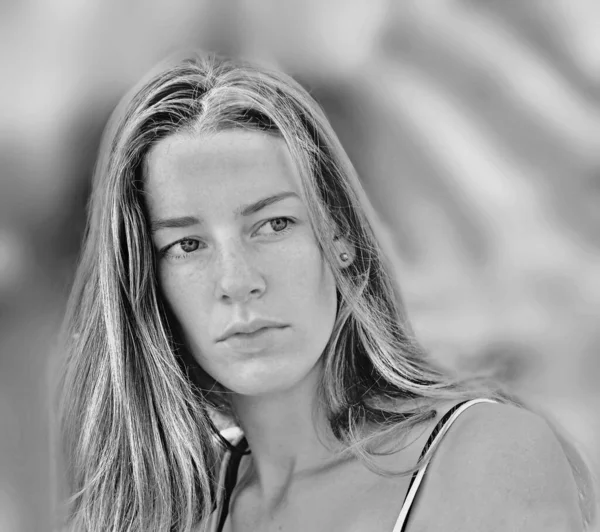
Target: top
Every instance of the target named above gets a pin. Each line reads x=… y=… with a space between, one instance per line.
x=231 y=462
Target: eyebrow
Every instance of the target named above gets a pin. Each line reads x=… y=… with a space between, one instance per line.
x=244 y=210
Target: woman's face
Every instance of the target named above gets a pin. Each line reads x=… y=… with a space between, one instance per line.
x=235 y=246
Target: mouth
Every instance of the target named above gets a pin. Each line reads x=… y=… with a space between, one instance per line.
x=252 y=334
x=254 y=341
x=250 y=329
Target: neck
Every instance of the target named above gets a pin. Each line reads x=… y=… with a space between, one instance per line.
x=288 y=435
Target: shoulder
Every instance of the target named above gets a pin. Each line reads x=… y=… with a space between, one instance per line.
x=500 y=467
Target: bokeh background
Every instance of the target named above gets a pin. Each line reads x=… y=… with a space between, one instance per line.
x=474 y=125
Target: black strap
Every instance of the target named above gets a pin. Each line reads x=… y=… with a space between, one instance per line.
x=231 y=478
x=432 y=436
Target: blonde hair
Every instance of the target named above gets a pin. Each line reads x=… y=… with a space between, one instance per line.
x=135 y=409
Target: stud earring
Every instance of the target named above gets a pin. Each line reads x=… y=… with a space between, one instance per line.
x=344 y=256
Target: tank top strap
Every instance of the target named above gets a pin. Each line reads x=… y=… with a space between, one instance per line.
x=434 y=439
x=236 y=448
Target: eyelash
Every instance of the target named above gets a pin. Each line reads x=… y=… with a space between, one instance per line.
x=165 y=252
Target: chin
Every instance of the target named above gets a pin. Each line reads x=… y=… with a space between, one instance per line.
x=265 y=381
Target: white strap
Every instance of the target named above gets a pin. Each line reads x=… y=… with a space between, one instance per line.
x=410 y=497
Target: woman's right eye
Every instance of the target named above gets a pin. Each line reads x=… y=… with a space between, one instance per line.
x=188 y=245
x=182 y=248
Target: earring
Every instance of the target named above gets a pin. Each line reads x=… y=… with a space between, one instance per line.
x=344 y=256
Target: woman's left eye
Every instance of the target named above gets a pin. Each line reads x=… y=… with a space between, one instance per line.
x=278 y=225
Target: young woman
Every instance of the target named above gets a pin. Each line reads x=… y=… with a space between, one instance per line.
x=234 y=271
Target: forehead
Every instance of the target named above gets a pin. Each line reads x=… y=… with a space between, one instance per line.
x=189 y=171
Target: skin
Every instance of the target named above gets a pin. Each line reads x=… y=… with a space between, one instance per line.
x=499 y=468
x=243 y=268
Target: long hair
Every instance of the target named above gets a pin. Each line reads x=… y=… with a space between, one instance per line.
x=137 y=431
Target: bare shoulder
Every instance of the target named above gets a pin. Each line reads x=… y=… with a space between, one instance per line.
x=499 y=467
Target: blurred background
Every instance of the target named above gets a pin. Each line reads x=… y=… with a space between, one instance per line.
x=475 y=128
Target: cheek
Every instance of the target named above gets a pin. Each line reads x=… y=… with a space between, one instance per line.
x=311 y=284
x=185 y=295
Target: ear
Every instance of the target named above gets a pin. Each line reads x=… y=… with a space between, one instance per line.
x=342 y=245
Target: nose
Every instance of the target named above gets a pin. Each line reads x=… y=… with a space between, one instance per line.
x=238 y=278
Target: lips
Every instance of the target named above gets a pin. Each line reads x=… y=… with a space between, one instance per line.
x=249 y=329
x=250 y=335
x=259 y=341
